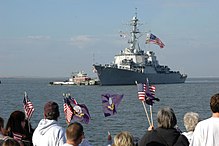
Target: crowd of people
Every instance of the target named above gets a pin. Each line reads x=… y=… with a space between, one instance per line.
x=18 y=130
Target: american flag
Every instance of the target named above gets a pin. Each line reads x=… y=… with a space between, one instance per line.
x=68 y=110
x=141 y=91
x=146 y=93
x=153 y=39
x=28 y=106
x=150 y=94
x=152 y=89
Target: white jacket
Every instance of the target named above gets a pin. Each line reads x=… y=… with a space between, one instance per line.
x=48 y=133
x=206 y=133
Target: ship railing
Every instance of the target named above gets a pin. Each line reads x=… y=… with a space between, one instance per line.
x=110 y=65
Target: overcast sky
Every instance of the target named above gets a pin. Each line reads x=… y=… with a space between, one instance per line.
x=53 y=38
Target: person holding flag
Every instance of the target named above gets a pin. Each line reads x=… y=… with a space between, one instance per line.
x=16 y=128
x=166 y=134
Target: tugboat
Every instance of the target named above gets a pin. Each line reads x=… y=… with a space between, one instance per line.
x=80 y=78
x=134 y=64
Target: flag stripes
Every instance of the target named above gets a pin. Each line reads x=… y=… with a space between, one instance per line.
x=68 y=111
x=141 y=95
x=28 y=107
x=153 y=39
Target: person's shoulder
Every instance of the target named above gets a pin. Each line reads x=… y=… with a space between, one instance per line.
x=58 y=128
x=182 y=141
x=205 y=122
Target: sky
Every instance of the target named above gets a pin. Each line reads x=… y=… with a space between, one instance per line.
x=53 y=38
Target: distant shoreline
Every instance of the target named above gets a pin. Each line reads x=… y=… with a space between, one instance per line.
x=21 y=77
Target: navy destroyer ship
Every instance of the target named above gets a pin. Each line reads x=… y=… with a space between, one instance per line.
x=134 y=64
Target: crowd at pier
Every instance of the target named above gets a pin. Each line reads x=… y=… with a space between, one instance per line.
x=19 y=132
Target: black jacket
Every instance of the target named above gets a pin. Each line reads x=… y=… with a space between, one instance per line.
x=163 y=137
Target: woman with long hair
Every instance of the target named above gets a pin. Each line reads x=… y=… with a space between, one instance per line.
x=16 y=127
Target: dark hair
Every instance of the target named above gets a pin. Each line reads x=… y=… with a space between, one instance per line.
x=214 y=103
x=51 y=110
x=74 y=131
x=14 y=122
x=166 y=118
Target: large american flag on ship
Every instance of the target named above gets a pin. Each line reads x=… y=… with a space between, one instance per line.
x=153 y=39
x=28 y=106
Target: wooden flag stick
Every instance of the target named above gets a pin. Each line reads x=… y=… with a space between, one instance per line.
x=152 y=123
x=146 y=113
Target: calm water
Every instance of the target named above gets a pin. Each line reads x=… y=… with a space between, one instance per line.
x=194 y=96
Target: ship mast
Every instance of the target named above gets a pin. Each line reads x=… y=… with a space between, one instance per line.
x=134 y=46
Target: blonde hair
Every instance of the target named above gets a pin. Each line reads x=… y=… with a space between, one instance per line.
x=123 y=138
x=191 y=119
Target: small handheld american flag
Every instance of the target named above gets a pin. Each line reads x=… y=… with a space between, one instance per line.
x=141 y=91
x=68 y=110
x=28 y=106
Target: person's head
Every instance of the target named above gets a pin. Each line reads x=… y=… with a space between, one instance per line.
x=10 y=142
x=16 y=122
x=74 y=133
x=123 y=138
x=51 y=110
x=214 y=103
x=191 y=119
x=166 y=118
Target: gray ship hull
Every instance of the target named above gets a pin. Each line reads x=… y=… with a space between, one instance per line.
x=115 y=76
